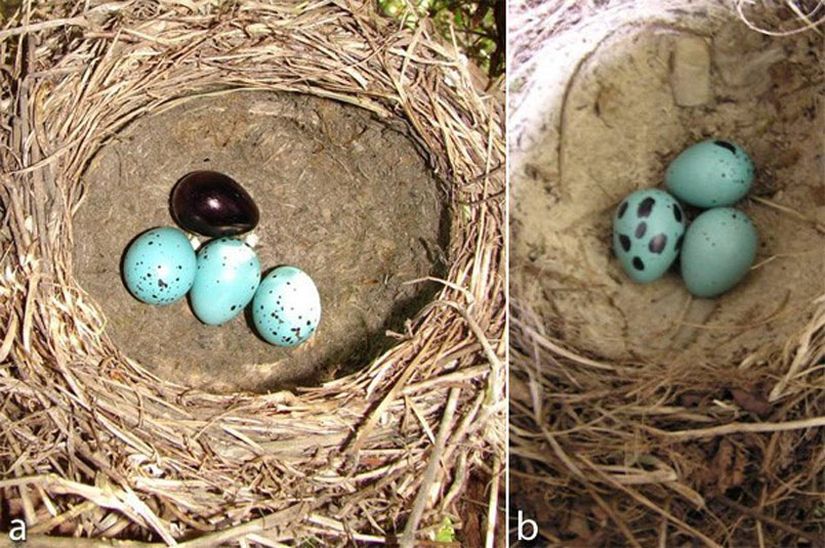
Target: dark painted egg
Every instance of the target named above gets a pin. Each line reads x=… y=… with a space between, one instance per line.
x=213 y=204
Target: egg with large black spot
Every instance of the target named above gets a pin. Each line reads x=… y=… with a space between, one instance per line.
x=647 y=230
x=286 y=308
x=213 y=204
x=159 y=266
x=711 y=173
x=228 y=274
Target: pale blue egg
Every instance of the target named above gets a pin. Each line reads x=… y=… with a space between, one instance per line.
x=228 y=275
x=647 y=232
x=719 y=249
x=159 y=266
x=712 y=173
x=286 y=308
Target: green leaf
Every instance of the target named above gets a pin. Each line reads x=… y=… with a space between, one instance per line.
x=445 y=533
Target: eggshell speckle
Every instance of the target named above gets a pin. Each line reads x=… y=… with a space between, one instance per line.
x=286 y=308
x=159 y=266
x=228 y=274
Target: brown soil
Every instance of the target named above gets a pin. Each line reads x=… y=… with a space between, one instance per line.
x=621 y=126
x=342 y=196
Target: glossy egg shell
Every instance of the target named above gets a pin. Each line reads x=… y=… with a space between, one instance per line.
x=286 y=308
x=228 y=273
x=647 y=233
x=213 y=204
x=159 y=266
x=719 y=249
x=712 y=173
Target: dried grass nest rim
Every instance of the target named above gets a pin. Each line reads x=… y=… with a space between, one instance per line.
x=91 y=443
x=649 y=451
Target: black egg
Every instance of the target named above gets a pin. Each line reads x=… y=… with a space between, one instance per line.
x=213 y=204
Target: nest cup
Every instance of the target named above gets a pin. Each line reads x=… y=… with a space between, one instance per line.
x=98 y=445
x=648 y=411
x=345 y=197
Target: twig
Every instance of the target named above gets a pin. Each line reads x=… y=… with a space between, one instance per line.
x=292 y=514
x=492 y=503
x=739 y=428
x=809 y=25
x=46 y=541
x=650 y=505
x=816 y=541
x=73 y=512
x=43 y=25
x=407 y=539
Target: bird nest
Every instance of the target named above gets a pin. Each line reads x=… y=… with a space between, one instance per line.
x=95 y=445
x=640 y=415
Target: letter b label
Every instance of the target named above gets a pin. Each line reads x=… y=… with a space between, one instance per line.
x=528 y=529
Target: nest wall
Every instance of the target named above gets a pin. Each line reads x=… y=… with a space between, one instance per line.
x=93 y=444
x=642 y=447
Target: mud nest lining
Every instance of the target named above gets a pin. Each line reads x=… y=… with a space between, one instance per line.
x=335 y=186
x=640 y=414
x=93 y=444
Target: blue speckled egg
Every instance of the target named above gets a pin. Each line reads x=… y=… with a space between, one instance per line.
x=228 y=275
x=647 y=233
x=719 y=249
x=286 y=308
x=710 y=174
x=159 y=266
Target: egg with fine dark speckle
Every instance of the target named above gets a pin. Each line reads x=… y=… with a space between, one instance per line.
x=286 y=308
x=712 y=173
x=159 y=266
x=228 y=273
x=720 y=247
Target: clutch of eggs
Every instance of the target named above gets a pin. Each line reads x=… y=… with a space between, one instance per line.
x=160 y=266
x=718 y=248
